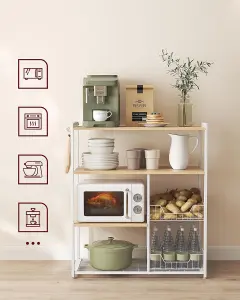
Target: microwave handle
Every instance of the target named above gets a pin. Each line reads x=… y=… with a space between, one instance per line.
x=126 y=204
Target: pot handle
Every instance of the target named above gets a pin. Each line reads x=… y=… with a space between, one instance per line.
x=86 y=246
x=110 y=239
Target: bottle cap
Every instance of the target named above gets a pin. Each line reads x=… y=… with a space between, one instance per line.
x=195 y=229
x=182 y=229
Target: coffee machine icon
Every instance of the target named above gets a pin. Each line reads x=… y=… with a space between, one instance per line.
x=33 y=169
x=33 y=218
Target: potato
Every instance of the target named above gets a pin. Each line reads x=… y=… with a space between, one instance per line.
x=197 y=197
x=180 y=203
x=161 y=202
x=166 y=196
x=197 y=208
x=170 y=216
x=198 y=215
x=173 y=208
x=155 y=216
x=188 y=215
x=176 y=194
x=164 y=210
x=182 y=198
x=188 y=205
x=172 y=202
x=195 y=191
x=186 y=193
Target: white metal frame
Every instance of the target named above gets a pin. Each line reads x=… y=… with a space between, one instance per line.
x=76 y=255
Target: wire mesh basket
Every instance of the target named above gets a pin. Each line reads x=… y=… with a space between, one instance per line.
x=157 y=263
x=160 y=213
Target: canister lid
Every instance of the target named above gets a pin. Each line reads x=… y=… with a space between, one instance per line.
x=112 y=244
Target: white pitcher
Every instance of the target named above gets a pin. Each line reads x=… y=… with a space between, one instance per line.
x=179 y=151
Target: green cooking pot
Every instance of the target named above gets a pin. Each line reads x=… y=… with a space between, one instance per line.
x=110 y=254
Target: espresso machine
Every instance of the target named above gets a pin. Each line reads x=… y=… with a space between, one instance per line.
x=101 y=97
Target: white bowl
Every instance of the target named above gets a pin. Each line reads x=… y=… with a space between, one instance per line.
x=100 y=164
x=100 y=141
x=100 y=161
x=101 y=145
x=101 y=150
x=113 y=154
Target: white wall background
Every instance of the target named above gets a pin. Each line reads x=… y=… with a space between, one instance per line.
x=125 y=38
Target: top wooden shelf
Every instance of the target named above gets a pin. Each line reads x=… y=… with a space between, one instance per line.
x=125 y=128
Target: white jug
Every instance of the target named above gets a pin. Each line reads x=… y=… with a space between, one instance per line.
x=179 y=151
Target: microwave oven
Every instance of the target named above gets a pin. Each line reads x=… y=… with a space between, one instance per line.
x=111 y=201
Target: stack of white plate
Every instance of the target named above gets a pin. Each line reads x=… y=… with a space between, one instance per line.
x=101 y=155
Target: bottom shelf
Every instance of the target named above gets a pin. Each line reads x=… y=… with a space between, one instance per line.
x=139 y=267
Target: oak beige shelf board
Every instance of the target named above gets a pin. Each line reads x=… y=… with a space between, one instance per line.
x=99 y=225
x=125 y=171
x=125 y=128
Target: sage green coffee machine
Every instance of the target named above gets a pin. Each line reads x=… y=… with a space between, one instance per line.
x=101 y=101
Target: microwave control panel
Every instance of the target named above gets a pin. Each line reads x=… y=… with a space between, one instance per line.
x=137 y=202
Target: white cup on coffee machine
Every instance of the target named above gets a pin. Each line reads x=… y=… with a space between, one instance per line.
x=101 y=115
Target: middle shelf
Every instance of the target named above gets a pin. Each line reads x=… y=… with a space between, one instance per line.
x=110 y=224
x=125 y=171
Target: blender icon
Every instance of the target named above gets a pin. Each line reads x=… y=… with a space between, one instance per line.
x=33 y=169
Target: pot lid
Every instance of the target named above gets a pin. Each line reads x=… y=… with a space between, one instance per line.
x=112 y=244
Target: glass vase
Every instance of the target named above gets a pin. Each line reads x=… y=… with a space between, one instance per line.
x=185 y=114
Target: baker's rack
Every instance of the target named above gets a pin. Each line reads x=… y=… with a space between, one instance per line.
x=81 y=266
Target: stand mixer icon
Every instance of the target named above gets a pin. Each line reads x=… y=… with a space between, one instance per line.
x=33 y=169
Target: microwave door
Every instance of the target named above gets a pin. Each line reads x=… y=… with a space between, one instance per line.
x=104 y=204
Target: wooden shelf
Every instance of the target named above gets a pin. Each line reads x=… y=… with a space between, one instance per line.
x=137 y=225
x=125 y=128
x=125 y=171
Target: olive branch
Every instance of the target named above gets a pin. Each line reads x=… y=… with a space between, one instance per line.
x=186 y=73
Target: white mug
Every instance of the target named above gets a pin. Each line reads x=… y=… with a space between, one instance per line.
x=101 y=115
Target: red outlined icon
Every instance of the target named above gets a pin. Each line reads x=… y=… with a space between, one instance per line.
x=32 y=217
x=32 y=121
x=32 y=169
x=32 y=74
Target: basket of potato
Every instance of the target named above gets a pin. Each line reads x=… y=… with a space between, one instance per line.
x=177 y=205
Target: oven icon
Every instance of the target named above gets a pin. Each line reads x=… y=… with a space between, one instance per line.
x=33 y=121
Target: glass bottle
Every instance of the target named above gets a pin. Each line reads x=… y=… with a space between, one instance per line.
x=155 y=241
x=155 y=255
x=190 y=235
x=168 y=245
x=195 y=248
x=181 y=249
